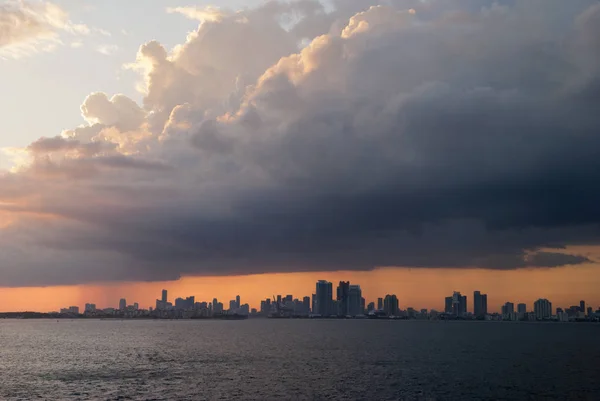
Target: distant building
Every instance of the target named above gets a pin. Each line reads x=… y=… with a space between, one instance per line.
x=343 y=298
x=232 y=305
x=390 y=305
x=448 y=305
x=306 y=305
x=164 y=296
x=354 y=300
x=371 y=306
x=479 y=304
x=136 y=306
x=89 y=308
x=379 y=303
x=459 y=304
x=522 y=309
x=324 y=298
x=508 y=309
x=542 y=308
x=582 y=306
x=122 y=304
x=590 y=311
x=237 y=302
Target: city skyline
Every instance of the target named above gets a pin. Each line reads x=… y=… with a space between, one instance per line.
x=347 y=295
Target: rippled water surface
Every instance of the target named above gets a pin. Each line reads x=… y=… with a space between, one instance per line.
x=265 y=359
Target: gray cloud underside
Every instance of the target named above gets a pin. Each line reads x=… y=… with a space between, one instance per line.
x=464 y=134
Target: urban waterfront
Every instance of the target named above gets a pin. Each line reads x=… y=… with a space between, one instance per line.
x=297 y=360
x=346 y=302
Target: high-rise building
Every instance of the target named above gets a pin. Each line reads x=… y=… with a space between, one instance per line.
x=164 y=296
x=324 y=290
x=233 y=305
x=90 y=308
x=306 y=304
x=508 y=308
x=582 y=306
x=521 y=309
x=390 y=305
x=122 y=304
x=459 y=304
x=136 y=306
x=479 y=304
x=484 y=304
x=343 y=298
x=542 y=309
x=237 y=302
x=354 y=300
x=371 y=306
x=448 y=305
x=589 y=311
x=379 y=303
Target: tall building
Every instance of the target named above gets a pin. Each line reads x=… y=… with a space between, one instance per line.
x=164 y=296
x=122 y=304
x=508 y=308
x=237 y=302
x=479 y=306
x=371 y=306
x=343 y=298
x=390 y=305
x=582 y=306
x=354 y=300
x=324 y=290
x=379 y=303
x=448 y=305
x=306 y=304
x=542 y=309
x=90 y=308
x=521 y=309
x=459 y=304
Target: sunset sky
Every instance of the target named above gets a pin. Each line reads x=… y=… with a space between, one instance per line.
x=217 y=148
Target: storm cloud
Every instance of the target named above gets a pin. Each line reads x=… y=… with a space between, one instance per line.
x=413 y=133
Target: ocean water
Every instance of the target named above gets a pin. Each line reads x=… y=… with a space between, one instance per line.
x=265 y=359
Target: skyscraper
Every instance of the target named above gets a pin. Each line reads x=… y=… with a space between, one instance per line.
x=237 y=302
x=164 y=296
x=508 y=308
x=448 y=305
x=390 y=305
x=343 y=298
x=459 y=303
x=324 y=290
x=582 y=306
x=306 y=304
x=521 y=309
x=542 y=308
x=354 y=300
x=479 y=304
x=379 y=303
x=122 y=304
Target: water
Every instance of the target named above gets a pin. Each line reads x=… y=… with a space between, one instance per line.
x=298 y=360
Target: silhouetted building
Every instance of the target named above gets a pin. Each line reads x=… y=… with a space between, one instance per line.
x=342 y=298
x=590 y=311
x=542 y=308
x=164 y=296
x=459 y=304
x=324 y=290
x=122 y=304
x=354 y=300
x=448 y=305
x=306 y=304
x=379 y=303
x=479 y=304
x=90 y=308
x=390 y=305
x=508 y=308
x=521 y=309
x=237 y=302
x=371 y=306
x=582 y=306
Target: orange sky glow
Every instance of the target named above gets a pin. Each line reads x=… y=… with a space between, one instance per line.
x=418 y=288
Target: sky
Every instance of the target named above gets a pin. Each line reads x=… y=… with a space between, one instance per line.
x=242 y=147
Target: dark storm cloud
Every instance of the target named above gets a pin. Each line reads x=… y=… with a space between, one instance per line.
x=457 y=134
